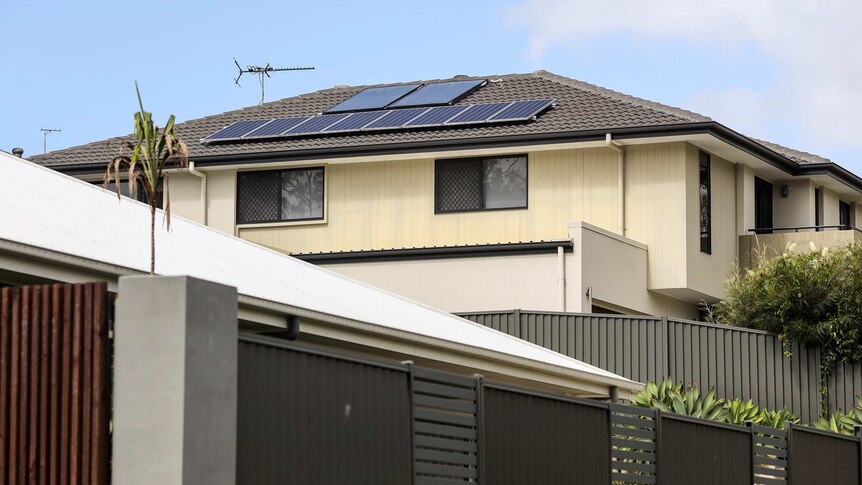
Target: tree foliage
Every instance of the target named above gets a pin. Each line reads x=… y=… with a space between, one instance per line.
x=144 y=162
x=814 y=298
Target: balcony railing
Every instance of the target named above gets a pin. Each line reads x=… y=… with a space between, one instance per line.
x=773 y=230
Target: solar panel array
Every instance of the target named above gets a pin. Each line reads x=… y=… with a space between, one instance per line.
x=391 y=119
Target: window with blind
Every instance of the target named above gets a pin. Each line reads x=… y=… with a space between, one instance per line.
x=476 y=184
x=294 y=194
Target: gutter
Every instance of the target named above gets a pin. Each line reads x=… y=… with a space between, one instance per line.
x=695 y=128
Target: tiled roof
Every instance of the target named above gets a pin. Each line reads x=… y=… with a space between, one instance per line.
x=580 y=106
x=797 y=156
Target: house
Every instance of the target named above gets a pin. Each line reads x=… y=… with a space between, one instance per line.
x=516 y=191
x=44 y=239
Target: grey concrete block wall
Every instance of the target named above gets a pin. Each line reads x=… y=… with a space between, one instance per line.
x=175 y=381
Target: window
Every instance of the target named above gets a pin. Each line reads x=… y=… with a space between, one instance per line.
x=844 y=214
x=140 y=193
x=480 y=184
x=762 y=206
x=294 y=194
x=705 y=205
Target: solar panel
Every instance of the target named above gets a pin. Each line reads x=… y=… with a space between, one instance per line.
x=315 y=124
x=236 y=130
x=395 y=119
x=522 y=110
x=276 y=127
x=355 y=121
x=438 y=93
x=373 y=98
x=436 y=116
x=478 y=113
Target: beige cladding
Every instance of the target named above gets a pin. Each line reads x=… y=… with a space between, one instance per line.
x=390 y=205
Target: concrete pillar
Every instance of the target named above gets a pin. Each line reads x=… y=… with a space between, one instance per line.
x=175 y=381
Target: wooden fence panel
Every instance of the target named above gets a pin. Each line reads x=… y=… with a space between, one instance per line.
x=54 y=386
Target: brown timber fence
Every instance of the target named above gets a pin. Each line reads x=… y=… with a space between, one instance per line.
x=54 y=384
x=738 y=362
x=309 y=416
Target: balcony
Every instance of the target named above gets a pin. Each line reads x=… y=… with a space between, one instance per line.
x=776 y=240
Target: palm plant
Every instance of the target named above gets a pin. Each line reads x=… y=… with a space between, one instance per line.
x=145 y=161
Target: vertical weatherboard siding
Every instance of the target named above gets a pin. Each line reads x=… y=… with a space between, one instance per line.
x=312 y=418
x=531 y=438
x=695 y=451
x=385 y=205
x=54 y=382
x=818 y=457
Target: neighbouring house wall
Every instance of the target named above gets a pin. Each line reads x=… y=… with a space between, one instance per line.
x=186 y=196
x=656 y=209
x=221 y=200
x=611 y=269
x=386 y=205
x=797 y=209
x=857 y=214
x=706 y=273
x=466 y=284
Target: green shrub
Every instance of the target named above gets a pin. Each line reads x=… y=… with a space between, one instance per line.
x=669 y=397
x=814 y=298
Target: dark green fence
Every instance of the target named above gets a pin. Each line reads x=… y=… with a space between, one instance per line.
x=738 y=362
x=307 y=416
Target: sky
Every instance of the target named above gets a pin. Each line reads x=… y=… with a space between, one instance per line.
x=787 y=71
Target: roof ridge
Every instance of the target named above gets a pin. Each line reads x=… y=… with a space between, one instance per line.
x=625 y=98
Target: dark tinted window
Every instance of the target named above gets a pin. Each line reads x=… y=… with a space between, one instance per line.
x=280 y=195
x=481 y=183
x=705 y=204
x=844 y=214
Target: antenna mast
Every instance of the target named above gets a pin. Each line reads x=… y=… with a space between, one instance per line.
x=45 y=132
x=263 y=73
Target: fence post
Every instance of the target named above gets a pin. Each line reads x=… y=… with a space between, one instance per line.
x=857 y=432
x=658 y=442
x=788 y=426
x=410 y=364
x=175 y=381
x=519 y=326
x=480 y=425
x=665 y=372
x=750 y=426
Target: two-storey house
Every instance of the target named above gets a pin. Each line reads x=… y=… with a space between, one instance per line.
x=516 y=191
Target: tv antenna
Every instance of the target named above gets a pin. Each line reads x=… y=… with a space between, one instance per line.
x=45 y=133
x=263 y=73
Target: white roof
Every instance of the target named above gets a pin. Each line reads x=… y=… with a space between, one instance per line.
x=43 y=208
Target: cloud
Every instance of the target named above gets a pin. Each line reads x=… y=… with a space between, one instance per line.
x=814 y=45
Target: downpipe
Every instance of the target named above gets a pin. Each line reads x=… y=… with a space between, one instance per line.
x=621 y=181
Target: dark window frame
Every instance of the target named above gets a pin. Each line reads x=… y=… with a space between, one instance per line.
x=845 y=207
x=705 y=171
x=818 y=208
x=764 y=207
x=280 y=220
x=480 y=161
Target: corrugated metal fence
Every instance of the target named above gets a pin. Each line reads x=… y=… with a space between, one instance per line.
x=54 y=382
x=738 y=362
x=308 y=416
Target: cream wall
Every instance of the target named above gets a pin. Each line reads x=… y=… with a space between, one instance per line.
x=487 y=283
x=830 y=208
x=186 y=196
x=744 y=199
x=656 y=209
x=387 y=205
x=611 y=271
x=797 y=210
x=706 y=273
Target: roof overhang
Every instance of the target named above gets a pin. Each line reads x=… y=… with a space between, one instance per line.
x=711 y=136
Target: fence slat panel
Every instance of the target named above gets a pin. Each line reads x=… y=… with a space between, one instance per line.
x=533 y=439
x=40 y=443
x=701 y=452
x=819 y=457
